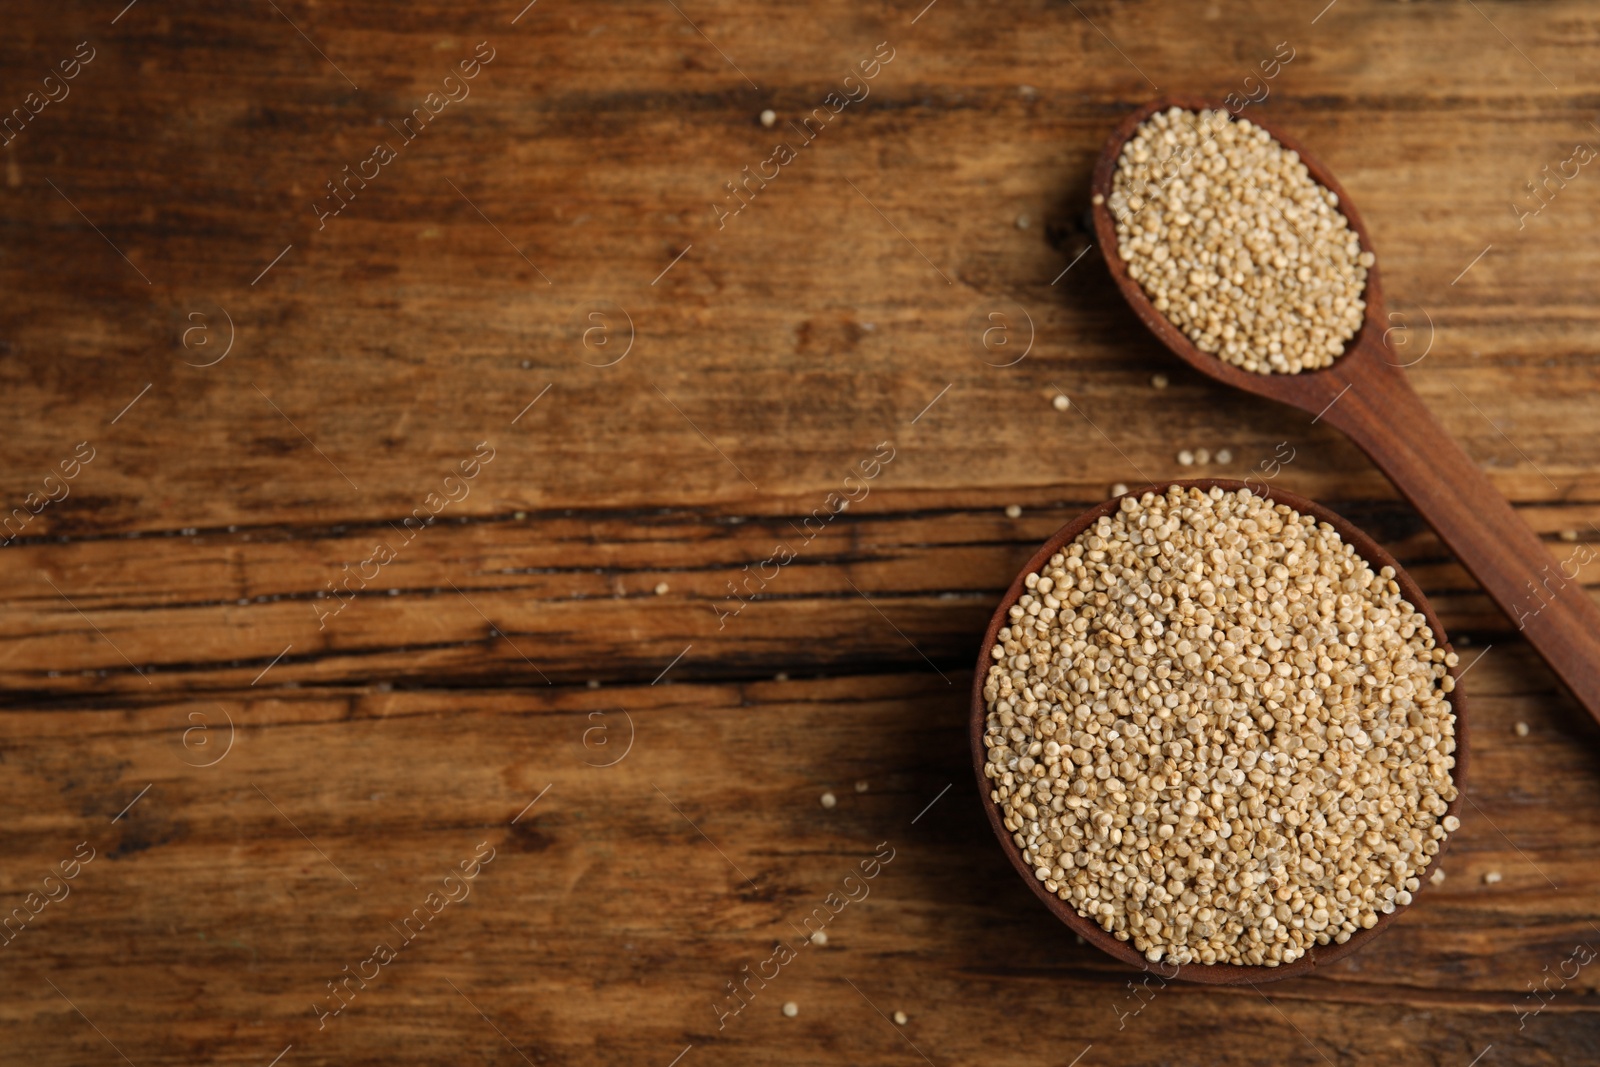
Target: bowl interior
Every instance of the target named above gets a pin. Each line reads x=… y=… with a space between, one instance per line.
x=1088 y=929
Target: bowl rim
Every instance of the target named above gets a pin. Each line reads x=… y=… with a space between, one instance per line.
x=1088 y=929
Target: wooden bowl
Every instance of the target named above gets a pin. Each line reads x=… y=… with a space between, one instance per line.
x=1088 y=929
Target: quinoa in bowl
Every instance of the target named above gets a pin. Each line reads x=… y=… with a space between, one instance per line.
x=1213 y=730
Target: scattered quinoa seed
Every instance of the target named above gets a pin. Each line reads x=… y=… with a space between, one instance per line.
x=829 y=800
x=1061 y=403
x=661 y=588
x=1186 y=458
x=1224 y=456
x=1202 y=455
x=1013 y=511
x=819 y=938
x=861 y=786
x=1491 y=877
x=1522 y=729
x=900 y=1018
x=1236 y=244
x=1159 y=381
x=781 y=676
x=768 y=118
x=1120 y=489
x=791 y=1009
x=1569 y=535
x=1437 y=877
x=1195 y=717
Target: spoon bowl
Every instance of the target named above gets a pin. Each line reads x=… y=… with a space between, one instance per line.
x=1088 y=929
x=1365 y=394
x=1308 y=390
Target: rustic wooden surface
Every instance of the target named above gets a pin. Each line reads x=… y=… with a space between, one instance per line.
x=173 y=592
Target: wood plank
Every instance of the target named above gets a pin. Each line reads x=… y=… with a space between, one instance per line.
x=410 y=293
x=204 y=894
x=555 y=597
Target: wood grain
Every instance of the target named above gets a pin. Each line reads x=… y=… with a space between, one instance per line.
x=173 y=589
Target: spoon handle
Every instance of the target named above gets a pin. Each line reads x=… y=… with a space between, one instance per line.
x=1540 y=593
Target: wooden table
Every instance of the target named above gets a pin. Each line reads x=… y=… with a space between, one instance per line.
x=277 y=714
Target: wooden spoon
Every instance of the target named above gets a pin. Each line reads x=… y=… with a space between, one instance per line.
x=1365 y=395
